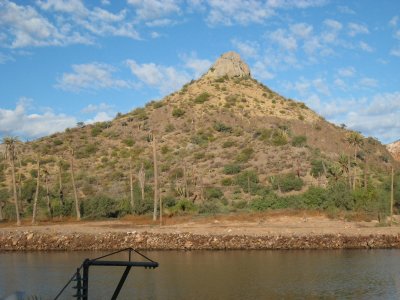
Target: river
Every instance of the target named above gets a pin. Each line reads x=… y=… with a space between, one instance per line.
x=317 y=274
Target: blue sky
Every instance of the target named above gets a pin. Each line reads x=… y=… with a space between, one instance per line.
x=65 y=61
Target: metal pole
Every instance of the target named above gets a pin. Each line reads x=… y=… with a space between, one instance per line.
x=85 y=293
x=121 y=283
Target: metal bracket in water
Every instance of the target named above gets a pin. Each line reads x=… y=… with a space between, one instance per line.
x=82 y=281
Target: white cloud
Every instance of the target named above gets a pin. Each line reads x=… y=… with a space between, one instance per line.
x=237 y=11
x=283 y=39
x=296 y=3
x=5 y=58
x=60 y=23
x=198 y=66
x=346 y=10
x=92 y=108
x=355 y=29
x=394 y=21
x=165 y=79
x=247 y=48
x=347 y=72
x=18 y=122
x=395 y=52
x=260 y=70
x=155 y=9
x=365 y=47
x=301 y=30
x=99 y=117
x=91 y=76
x=368 y=82
x=333 y=24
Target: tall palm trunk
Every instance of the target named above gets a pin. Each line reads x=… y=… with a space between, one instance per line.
x=49 y=208
x=36 y=192
x=15 y=189
x=155 y=177
x=131 y=185
x=77 y=206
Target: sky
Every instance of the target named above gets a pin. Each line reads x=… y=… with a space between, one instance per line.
x=69 y=61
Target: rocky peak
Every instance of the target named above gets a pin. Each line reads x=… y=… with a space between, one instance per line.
x=394 y=149
x=229 y=64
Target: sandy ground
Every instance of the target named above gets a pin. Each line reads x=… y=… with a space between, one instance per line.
x=243 y=224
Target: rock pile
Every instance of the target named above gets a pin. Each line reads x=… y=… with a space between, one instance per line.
x=188 y=241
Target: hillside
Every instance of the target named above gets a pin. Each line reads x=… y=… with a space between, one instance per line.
x=394 y=149
x=223 y=142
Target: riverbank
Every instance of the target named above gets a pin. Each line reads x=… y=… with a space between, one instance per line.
x=256 y=231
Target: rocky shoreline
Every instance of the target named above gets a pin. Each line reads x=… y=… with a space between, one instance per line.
x=39 y=241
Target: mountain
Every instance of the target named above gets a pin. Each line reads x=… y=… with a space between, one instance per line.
x=394 y=149
x=224 y=137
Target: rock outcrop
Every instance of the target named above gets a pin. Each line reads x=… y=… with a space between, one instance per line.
x=394 y=149
x=229 y=64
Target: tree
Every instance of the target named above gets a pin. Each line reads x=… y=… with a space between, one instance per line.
x=37 y=191
x=155 y=177
x=354 y=139
x=10 y=143
x=142 y=179
x=77 y=205
x=46 y=182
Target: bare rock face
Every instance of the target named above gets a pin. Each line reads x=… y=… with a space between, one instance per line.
x=394 y=149
x=229 y=64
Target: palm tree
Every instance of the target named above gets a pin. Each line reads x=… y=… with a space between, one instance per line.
x=36 y=192
x=10 y=143
x=77 y=205
x=354 y=139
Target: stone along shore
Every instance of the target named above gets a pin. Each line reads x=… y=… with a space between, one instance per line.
x=32 y=241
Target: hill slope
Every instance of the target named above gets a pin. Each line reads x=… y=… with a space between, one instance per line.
x=224 y=138
x=394 y=149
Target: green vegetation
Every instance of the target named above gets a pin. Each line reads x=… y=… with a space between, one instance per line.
x=203 y=97
x=178 y=112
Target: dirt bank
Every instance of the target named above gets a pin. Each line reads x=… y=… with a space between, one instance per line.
x=189 y=233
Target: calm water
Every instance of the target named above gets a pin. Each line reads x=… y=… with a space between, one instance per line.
x=346 y=274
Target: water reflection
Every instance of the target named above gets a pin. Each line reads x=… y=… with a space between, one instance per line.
x=345 y=274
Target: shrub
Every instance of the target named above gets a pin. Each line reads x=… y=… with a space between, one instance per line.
x=299 y=141
x=245 y=155
x=178 y=112
x=213 y=193
x=169 y=127
x=100 y=207
x=279 y=137
x=228 y=144
x=227 y=181
x=269 y=201
x=247 y=180
x=317 y=168
x=129 y=142
x=184 y=205
x=203 y=97
x=287 y=182
x=221 y=127
x=140 y=113
x=232 y=169
x=209 y=207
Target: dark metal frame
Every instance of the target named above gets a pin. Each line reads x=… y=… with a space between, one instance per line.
x=82 y=281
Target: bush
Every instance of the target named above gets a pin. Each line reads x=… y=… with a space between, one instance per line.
x=178 y=112
x=213 y=193
x=184 y=205
x=140 y=113
x=129 y=142
x=227 y=181
x=203 y=97
x=299 y=141
x=100 y=207
x=248 y=180
x=232 y=169
x=228 y=144
x=221 y=127
x=209 y=207
x=245 y=155
x=317 y=168
x=269 y=201
x=287 y=182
